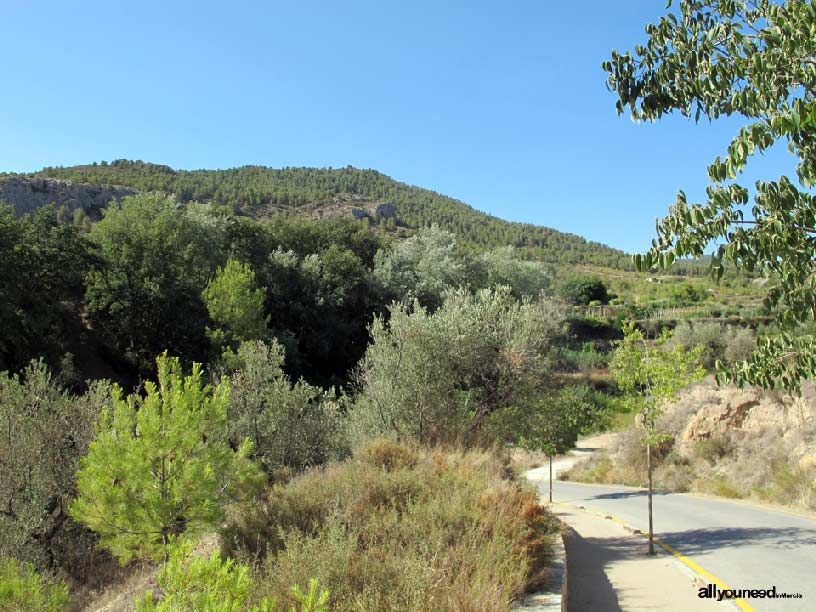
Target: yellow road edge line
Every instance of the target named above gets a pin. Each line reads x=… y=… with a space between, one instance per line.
x=741 y=603
x=694 y=566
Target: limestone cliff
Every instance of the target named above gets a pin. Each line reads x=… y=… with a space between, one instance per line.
x=28 y=194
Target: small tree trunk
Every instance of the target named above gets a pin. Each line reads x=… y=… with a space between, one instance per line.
x=649 y=469
x=550 y=478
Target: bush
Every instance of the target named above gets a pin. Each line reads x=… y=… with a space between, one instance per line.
x=443 y=531
x=720 y=342
x=436 y=377
x=21 y=588
x=789 y=483
x=503 y=266
x=739 y=344
x=582 y=290
x=586 y=359
x=291 y=425
x=46 y=432
x=387 y=454
x=714 y=449
x=194 y=582
x=720 y=485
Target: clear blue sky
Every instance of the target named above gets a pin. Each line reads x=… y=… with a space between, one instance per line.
x=499 y=104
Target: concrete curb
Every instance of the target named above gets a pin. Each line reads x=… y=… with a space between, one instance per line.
x=555 y=598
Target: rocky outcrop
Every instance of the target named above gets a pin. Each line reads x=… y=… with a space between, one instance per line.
x=385 y=210
x=712 y=412
x=28 y=194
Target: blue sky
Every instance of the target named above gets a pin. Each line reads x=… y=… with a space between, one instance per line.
x=500 y=104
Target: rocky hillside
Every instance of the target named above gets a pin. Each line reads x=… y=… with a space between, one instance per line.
x=260 y=192
x=27 y=194
x=743 y=443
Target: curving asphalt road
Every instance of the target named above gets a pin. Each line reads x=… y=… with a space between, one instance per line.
x=741 y=544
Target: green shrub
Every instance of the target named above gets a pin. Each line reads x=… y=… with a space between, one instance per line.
x=582 y=290
x=584 y=360
x=194 y=582
x=211 y=584
x=595 y=472
x=291 y=425
x=611 y=412
x=21 y=588
x=46 y=431
x=721 y=342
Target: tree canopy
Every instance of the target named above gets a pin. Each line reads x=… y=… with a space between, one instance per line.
x=43 y=264
x=236 y=305
x=156 y=259
x=755 y=59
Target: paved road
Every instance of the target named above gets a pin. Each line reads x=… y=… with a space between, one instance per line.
x=744 y=546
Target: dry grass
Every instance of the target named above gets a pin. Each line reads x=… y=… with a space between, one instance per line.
x=119 y=595
x=400 y=528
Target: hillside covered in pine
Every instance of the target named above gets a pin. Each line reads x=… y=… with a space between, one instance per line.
x=260 y=192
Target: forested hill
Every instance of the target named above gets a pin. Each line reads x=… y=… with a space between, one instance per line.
x=259 y=192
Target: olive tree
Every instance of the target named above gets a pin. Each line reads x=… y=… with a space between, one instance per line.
x=755 y=59
x=438 y=376
x=504 y=266
x=45 y=431
x=292 y=425
x=422 y=268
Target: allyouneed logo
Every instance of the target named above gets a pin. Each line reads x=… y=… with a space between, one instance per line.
x=713 y=592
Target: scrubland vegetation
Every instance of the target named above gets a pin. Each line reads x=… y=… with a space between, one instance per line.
x=399 y=527
x=331 y=398
x=343 y=439
x=328 y=401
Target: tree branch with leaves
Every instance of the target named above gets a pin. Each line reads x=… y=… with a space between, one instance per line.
x=755 y=59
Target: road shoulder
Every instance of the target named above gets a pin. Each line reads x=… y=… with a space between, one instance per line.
x=609 y=570
x=608 y=566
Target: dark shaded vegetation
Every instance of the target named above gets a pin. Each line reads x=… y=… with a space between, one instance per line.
x=106 y=302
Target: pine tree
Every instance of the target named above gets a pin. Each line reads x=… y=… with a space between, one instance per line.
x=161 y=465
x=236 y=304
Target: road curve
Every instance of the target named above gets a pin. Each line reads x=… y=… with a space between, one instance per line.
x=741 y=544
